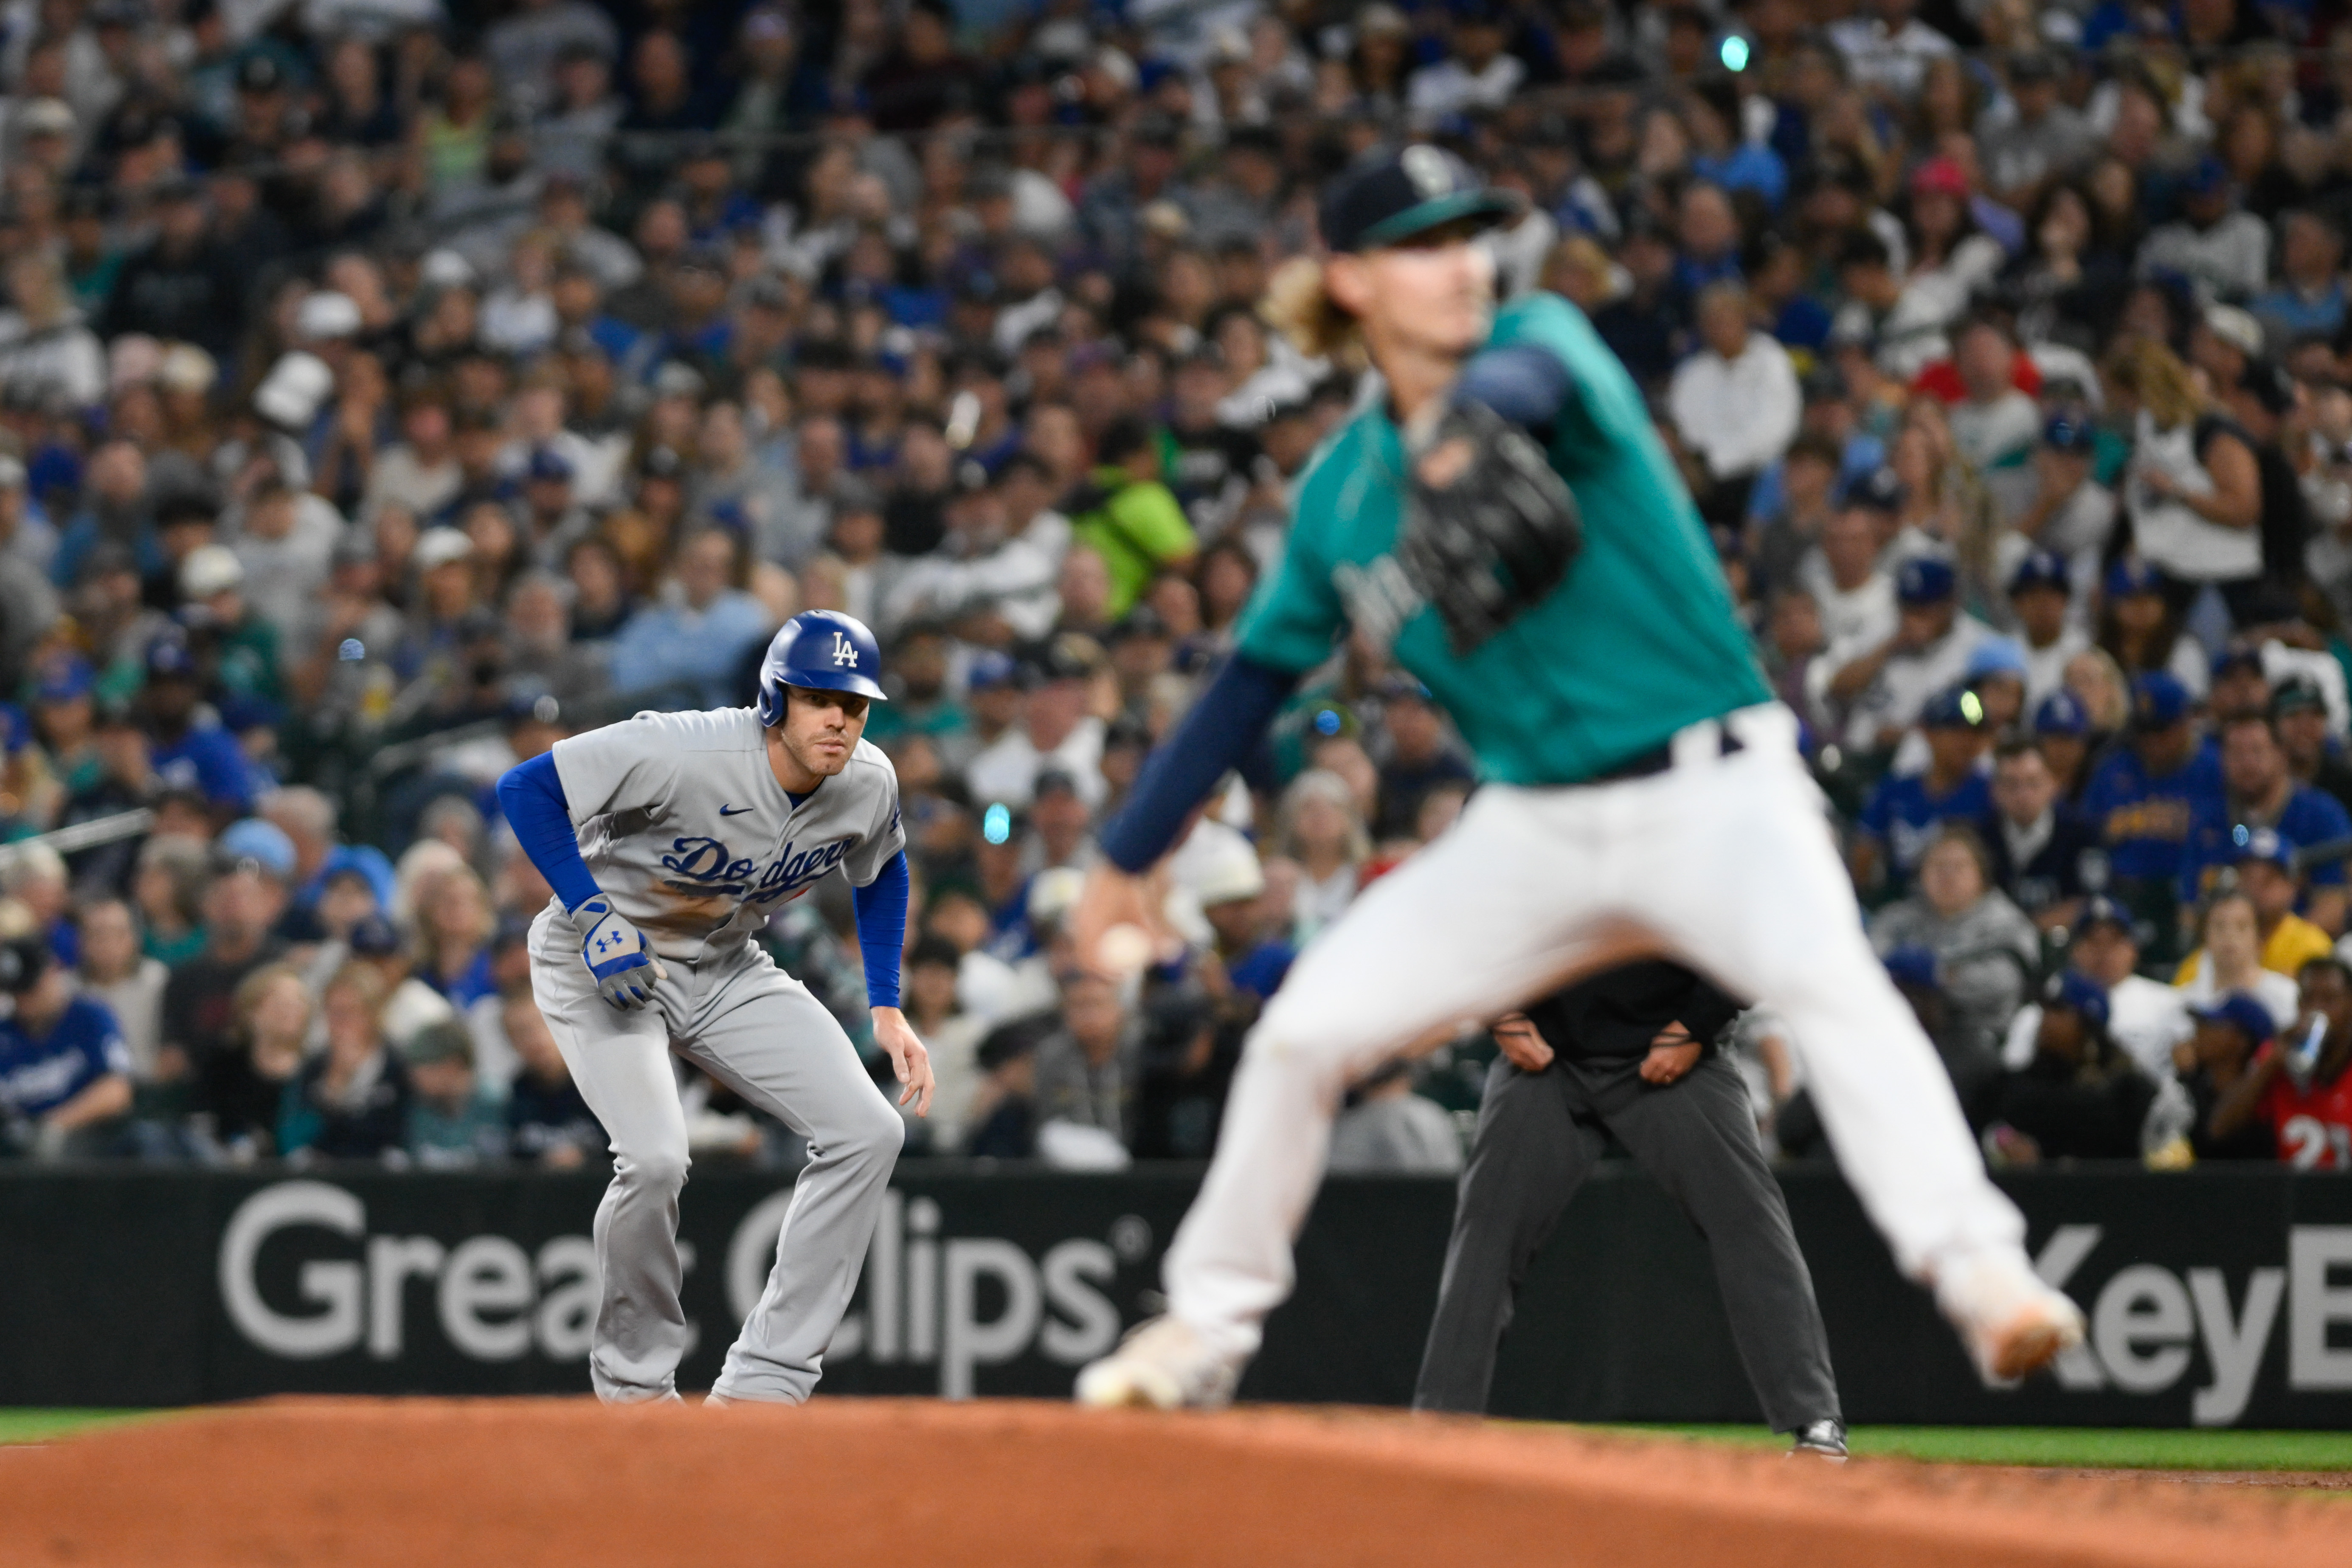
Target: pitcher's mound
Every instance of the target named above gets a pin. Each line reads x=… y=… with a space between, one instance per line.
x=880 y=1483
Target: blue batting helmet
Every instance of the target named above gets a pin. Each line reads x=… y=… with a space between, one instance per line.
x=821 y=649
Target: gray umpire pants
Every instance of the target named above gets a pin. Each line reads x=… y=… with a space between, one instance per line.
x=757 y=1030
x=1538 y=1136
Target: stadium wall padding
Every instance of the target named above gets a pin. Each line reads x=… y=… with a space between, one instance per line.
x=2218 y=1297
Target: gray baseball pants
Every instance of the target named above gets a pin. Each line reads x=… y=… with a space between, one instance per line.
x=1538 y=1136
x=757 y=1030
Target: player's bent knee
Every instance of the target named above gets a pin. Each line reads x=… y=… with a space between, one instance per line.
x=1296 y=1039
x=662 y=1171
x=872 y=1136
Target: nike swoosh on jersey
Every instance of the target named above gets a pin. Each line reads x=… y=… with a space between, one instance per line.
x=734 y=810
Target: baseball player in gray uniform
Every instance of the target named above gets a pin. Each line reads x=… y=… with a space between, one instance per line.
x=669 y=839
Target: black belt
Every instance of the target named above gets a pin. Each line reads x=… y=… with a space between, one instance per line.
x=1660 y=759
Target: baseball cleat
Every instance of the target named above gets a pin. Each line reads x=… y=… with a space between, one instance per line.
x=2012 y=1324
x=714 y=1400
x=1161 y=1364
x=1823 y=1440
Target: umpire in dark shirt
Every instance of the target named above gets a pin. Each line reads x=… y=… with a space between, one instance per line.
x=1629 y=1051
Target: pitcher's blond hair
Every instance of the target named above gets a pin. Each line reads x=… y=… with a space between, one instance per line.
x=1301 y=308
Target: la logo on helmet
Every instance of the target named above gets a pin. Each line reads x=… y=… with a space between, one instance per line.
x=842 y=652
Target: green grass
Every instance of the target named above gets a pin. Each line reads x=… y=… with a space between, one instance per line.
x=2068 y=1448
x=39 y=1425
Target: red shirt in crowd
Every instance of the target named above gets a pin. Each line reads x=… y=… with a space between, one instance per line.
x=2314 y=1125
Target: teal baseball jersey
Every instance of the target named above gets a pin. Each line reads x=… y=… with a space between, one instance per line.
x=1637 y=641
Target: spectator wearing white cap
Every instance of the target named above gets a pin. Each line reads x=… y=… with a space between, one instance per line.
x=243 y=645
x=1232 y=893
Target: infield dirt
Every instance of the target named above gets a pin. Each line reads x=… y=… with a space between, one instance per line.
x=878 y=1483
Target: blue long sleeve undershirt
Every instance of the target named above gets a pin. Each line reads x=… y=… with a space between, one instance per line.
x=531 y=794
x=882 y=930
x=1213 y=738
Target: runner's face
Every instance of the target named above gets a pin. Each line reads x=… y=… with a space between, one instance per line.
x=821 y=728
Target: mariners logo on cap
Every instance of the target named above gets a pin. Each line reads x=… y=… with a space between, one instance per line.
x=1427 y=169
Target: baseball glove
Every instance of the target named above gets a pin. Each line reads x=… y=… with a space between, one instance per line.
x=1496 y=536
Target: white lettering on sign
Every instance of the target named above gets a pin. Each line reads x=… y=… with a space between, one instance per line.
x=2143 y=1316
x=2316 y=1305
x=2232 y=1348
x=494 y=1301
x=335 y=1286
x=962 y=1304
x=2143 y=1306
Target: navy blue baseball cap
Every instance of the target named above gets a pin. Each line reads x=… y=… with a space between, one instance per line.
x=2235 y=656
x=2297 y=694
x=2264 y=844
x=2131 y=576
x=2068 y=432
x=1953 y=708
x=1394 y=193
x=2062 y=713
x=374 y=937
x=2103 y=910
x=2158 y=700
x=547 y=463
x=2077 y=992
x=2242 y=1013
x=2042 y=569
x=2208 y=176
x=992 y=669
x=169 y=656
x=1877 y=490
x=1924 y=580
x=1912 y=965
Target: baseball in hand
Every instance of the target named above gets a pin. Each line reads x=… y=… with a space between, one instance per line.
x=1125 y=948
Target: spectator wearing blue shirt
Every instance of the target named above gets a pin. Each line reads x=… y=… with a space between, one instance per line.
x=1719 y=152
x=2142 y=799
x=2309 y=301
x=2260 y=791
x=1905 y=809
x=191 y=750
x=1232 y=900
x=1708 y=227
x=697 y=639
x=65 y=1071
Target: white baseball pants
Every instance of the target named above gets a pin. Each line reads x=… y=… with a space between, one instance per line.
x=757 y=1030
x=1724 y=863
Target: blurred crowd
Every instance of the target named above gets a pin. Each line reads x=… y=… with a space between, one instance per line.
x=389 y=389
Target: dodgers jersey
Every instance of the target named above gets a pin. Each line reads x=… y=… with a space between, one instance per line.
x=681 y=820
x=1637 y=641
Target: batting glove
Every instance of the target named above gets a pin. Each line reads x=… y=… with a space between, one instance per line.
x=616 y=955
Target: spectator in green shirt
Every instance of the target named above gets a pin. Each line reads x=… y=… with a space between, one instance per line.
x=451 y=1121
x=1129 y=516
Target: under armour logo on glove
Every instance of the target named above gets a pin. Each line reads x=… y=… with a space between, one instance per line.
x=615 y=953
